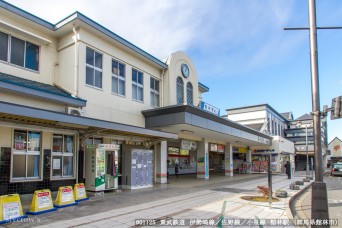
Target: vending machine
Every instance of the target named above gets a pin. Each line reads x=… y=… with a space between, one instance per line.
x=101 y=167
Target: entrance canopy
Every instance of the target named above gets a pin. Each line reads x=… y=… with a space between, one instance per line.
x=196 y=124
x=13 y=113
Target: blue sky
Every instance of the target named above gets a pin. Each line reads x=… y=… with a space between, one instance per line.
x=239 y=47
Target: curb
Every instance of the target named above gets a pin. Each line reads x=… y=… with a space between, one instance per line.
x=289 y=202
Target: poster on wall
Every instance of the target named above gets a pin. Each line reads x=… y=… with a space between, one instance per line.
x=206 y=165
x=263 y=167
x=255 y=166
x=56 y=164
x=213 y=147
x=220 y=148
x=188 y=145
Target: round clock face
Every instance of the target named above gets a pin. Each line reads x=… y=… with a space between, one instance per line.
x=185 y=70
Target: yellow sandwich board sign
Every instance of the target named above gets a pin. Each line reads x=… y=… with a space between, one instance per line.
x=10 y=208
x=41 y=202
x=65 y=197
x=80 y=192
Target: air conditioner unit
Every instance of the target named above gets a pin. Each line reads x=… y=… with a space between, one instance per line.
x=74 y=111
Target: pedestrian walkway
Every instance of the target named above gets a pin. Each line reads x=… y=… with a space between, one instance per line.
x=185 y=200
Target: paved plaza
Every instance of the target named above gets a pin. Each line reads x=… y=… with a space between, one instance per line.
x=183 y=201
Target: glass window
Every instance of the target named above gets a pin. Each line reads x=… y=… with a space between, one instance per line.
x=19 y=52
x=33 y=141
x=137 y=85
x=189 y=94
x=3 y=46
x=19 y=162
x=68 y=166
x=26 y=155
x=63 y=155
x=93 y=68
x=118 y=78
x=154 y=92
x=180 y=91
x=94 y=141
x=32 y=56
x=33 y=166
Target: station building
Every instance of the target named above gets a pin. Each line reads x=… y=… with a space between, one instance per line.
x=292 y=138
x=75 y=86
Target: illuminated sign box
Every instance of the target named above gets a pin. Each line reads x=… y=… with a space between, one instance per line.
x=173 y=150
x=184 y=152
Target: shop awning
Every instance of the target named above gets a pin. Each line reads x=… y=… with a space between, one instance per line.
x=13 y=113
x=194 y=123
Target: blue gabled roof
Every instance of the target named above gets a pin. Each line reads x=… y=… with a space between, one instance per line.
x=87 y=21
x=37 y=86
x=203 y=87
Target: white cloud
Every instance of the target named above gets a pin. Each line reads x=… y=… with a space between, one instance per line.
x=214 y=27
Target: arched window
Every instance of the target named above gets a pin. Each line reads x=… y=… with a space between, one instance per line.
x=180 y=91
x=189 y=94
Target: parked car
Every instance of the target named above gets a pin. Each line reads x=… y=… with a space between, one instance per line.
x=336 y=169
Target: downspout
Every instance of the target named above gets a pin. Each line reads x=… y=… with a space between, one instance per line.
x=162 y=89
x=75 y=92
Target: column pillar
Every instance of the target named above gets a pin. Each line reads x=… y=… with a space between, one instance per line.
x=228 y=165
x=161 y=162
x=248 y=155
x=203 y=160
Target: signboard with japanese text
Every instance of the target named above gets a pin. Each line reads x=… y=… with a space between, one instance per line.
x=188 y=145
x=210 y=108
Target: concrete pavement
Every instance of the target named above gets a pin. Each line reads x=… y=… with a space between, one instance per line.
x=185 y=200
x=301 y=206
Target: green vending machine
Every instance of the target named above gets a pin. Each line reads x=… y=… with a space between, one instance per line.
x=101 y=167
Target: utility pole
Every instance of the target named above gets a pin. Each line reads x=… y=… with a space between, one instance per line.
x=319 y=199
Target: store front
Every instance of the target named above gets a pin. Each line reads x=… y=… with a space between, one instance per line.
x=216 y=158
x=215 y=138
x=240 y=163
x=185 y=159
x=281 y=151
x=42 y=149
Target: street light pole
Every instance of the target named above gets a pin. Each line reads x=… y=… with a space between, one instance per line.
x=307 y=153
x=319 y=199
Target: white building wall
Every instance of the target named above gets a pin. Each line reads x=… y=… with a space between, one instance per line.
x=47 y=56
x=174 y=70
x=101 y=102
x=255 y=117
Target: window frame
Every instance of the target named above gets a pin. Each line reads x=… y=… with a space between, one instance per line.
x=138 y=85
x=63 y=154
x=154 y=93
x=94 y=69
x=26 y=152
x=119 y=78
x=25 y=53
